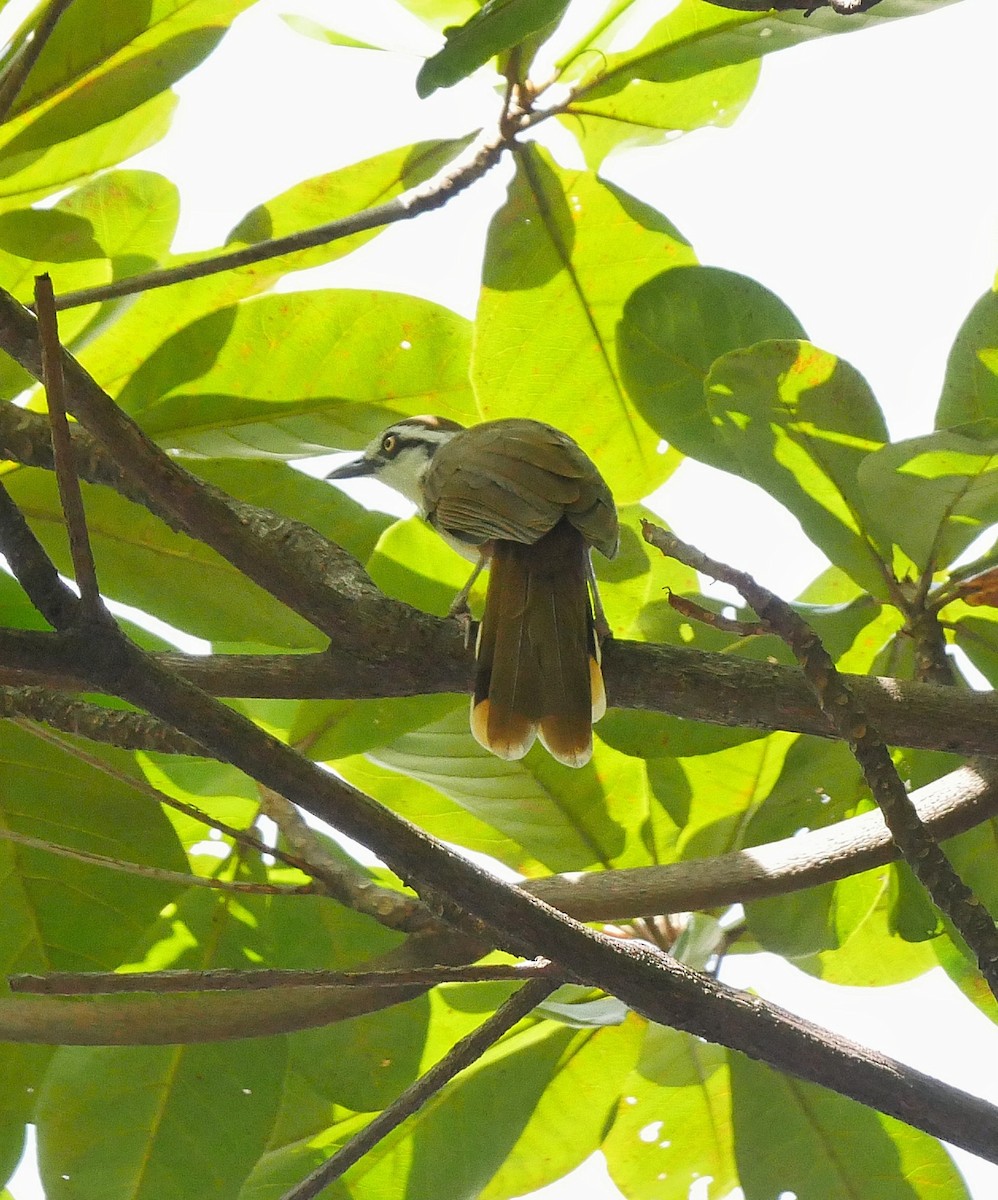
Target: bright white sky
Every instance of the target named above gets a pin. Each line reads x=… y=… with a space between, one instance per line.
x=859 y=185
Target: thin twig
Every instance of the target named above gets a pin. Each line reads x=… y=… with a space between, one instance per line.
x=482 y=157
x=19 y=67
x=31 y=566
x=697 y=612
x=845 y=714
x=393 y=909
x=99 y=983
x=345 y=882
x=160 y=874
x=62 y=452
x=463 y=1054
x=120 y=728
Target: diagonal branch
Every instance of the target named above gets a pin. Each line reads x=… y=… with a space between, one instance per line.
x=462 y=1055
x=62 y=450
x=482 y=157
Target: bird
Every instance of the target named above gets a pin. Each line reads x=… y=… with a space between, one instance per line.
x=523 y=499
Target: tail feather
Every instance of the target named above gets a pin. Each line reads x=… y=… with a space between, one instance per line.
x=538 y=665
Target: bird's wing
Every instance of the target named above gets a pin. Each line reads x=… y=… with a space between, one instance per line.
x=515 y=479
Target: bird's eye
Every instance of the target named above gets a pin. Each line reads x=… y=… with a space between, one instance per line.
x=389 y=443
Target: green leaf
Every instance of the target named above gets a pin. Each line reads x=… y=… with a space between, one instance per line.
x=800 y=422
x=563 y=254
x=695 y=39
x=154 y=1121
x=498 y=25
x=117 y=224
x=132 y=216
x=673 y=328
x=440 y=13
x=66 y=914
x=143 y=563
x=673 y=1123
x=335 y=729
x=296 y=374
x=121 y=90
x=817 y=919
x=320 y=33
x=649 y=114
x=725 y=789
x=36 y=172
x=934 y=495
x=533 y=1107
x=873 y=955
x=567 y=1123
x=792 y=1136
x=434 y=811
x=343 y=193
x=820 y=784
x=565 y=819
x=365 y=1063
x=970 y=389
x=99 y=62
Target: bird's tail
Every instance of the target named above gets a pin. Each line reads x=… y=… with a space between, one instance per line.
x=538 y=658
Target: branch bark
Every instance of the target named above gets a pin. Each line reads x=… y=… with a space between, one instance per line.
x=654 y=985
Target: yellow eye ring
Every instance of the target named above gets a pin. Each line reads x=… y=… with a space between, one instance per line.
x=389 y=443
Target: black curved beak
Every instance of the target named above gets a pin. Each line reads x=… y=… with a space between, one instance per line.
x=351 y=470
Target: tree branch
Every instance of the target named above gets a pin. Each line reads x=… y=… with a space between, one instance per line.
x=654 y=985
x=845 y=8
x=482 y=157
x=845 y=714
x=103 y=983
x=951 y=805
x=67 y=479
x=468 y=1050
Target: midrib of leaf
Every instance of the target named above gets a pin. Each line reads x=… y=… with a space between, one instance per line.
x=552 y=231
x=827 y=1144
x=948 y=510
x=18 y=876
x=158 y=1117
x=690 y=40
x=813 y=446
x=719 y=1124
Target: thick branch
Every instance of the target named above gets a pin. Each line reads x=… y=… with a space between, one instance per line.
x=949 y=806
x=679 y=681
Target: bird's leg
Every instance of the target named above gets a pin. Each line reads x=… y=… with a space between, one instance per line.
x=459 y=605
x=600 y=624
